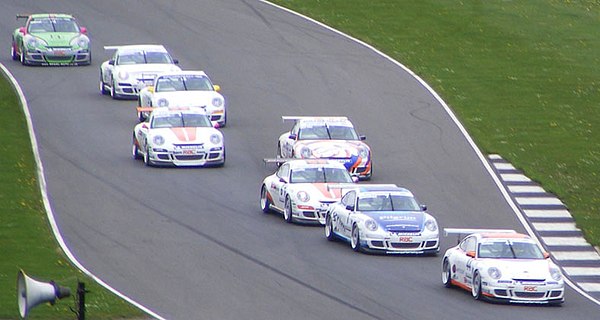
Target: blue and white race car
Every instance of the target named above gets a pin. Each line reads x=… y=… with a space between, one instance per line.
x=502 y=265
x=382 y=218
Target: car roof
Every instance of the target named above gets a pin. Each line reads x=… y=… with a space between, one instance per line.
x=176 y=110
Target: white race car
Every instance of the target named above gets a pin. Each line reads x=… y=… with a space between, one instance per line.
x=327 y=138
x=184 y=89
x=132 y=67
x=302 y=189
x=180 y=137
x=502 y=265
x=382 y=218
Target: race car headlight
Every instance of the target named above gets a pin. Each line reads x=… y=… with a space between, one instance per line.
x=162 y=102
x=158 y=140
x=217 y=102
x=371 y=225
x=494 y=273
x=555 y=274
x=363 y=153
x=431 y=225
x=123 y=75
x=305 y=152
x=303 y=196
x=80 y=41
x=34 y=42
x=215 y=139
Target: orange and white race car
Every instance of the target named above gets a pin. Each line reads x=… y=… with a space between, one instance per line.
x=327 y=138
x=302 y=189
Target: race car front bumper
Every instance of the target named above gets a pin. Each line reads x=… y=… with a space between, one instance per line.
x=57 y=57
x=405 y=243
x=533 y=292
x=309 y=213
x=214 y=156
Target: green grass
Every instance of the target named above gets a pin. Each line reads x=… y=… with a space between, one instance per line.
x=25 y=235
x=521 y=75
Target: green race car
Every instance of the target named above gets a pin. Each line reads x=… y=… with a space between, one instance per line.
x=51 y=39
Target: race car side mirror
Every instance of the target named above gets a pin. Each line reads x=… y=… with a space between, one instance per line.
x=546 y=255
x=283 y=180
x=471 y=254
x=83 y=30
x=175 y=61
x=216 y=125
x=292 y=136
x=22 y=30
x=355 y=179
x=217 y=87
x=362 y=137
x=350 y=207
x=111 y=62
x=423 y=207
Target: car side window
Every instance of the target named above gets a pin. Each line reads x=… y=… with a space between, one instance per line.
x=468 y=244
x=349 y=198
x=283 y=171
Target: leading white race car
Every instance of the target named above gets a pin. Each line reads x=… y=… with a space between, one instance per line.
x=184 y=89
x=382 y=218
x=178 y=136
x=302 y=189
x=132 y=67
x=502 y=265
x=327 y=138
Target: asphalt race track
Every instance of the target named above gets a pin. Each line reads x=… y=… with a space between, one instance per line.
x=193 y=243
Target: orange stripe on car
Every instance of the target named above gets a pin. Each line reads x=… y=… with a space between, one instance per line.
x=185 y=134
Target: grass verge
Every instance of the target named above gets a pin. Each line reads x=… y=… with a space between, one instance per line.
x=521 y=75
x=26 y=238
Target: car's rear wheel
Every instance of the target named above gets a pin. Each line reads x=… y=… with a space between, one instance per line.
x=287 y=211
x=329 y=228
x=355 y=239
x=265 y=204
x=446 y=274
x=476 y=286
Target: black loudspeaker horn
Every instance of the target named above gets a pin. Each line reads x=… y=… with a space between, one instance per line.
x=31 y=292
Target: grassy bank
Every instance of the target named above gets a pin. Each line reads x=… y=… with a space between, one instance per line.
x=26 y=239
x=521 y=75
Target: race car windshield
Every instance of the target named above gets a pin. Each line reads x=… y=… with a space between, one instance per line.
x=507 y=249
x=143 y=57
x=181 y=120
x=183 y=83
x=52 y=25
x=387 y=202
x=320 y=175
x=327 y=132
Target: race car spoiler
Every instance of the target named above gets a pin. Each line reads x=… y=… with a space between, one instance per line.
x=277 y=160
x=22 y=16
x=324 y=118
x=463 y=232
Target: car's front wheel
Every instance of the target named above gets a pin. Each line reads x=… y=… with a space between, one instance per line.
x=103 y=90
x=329 y=228
x=135 y=150
x=13 y=51
x=265 y=204
x=355 y=239
x=22 y=56
x=287 y=211
x=476 y=286
x=147 y=160
x=446 y=274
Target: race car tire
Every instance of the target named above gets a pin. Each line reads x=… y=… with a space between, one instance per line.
x=329 y=229
x=287 y=210
x=476 y=287
x=223 y=123
x=265 y=204
x=355 y=239
x=135 y=150
x=103 y=90
x=446 y=274
x=13 y=51
x=147 y=160
x=113 y=92
x=22 y=56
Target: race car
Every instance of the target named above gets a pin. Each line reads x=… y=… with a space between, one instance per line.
x=302 y=189
x=382 y=218
x=502 y=265
x=180 y=137
x=183 y=89
x=51 y=39
x=133 y=67
x=327 y=138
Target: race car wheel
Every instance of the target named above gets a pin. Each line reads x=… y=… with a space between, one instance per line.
x=287 y=211
x=147 y=160
x=22 y=55
x=329 y=229
x=355 y=239
x=135 y=151
x=13 y=51
x=103 y=86
x=446 y=274
x=476 y=287
x=113 y=92
x=265 y=204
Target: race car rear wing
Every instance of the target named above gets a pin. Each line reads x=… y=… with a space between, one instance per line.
x=316 y=118
x=22 y=16
x=278 y=161
x=463 y=232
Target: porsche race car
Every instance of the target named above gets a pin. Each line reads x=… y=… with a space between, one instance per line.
x=132 y=67
x=180 y=137
x=302 y=189
x=502 y=265
x=51 y=39
x=382 y=218
x=182 y=89
x=327 y=138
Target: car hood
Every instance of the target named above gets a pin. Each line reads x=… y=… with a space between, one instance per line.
x=147 y=68
x=521 y=269
x=398 y=221
x=188 y=98
x=56 y=39
x=321 y=192
x=185 y=135
x=330 y=148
